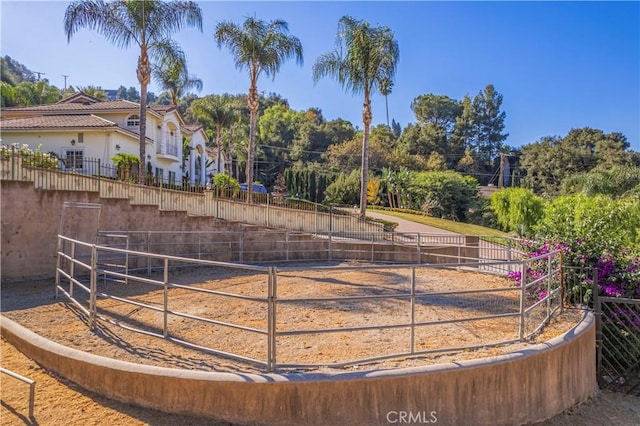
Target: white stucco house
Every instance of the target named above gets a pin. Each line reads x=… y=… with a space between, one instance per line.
x=81 y=127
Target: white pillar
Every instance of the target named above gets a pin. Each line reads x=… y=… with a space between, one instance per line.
x=192 y=166
x=203 y=168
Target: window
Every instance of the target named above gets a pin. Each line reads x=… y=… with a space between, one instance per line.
x=80 y=137
x=74 y=159
x=133 y=120
x=159 y=175
x=172 y=178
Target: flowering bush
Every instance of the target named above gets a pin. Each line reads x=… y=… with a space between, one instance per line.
x=537 y=266
x=618 y=275
x=29 y=157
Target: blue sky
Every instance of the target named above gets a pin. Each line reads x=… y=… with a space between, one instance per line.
x=559 y=65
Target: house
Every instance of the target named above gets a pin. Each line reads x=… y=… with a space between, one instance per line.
x=81 y=127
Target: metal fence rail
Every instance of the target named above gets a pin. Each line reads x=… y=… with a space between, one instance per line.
x=87 y=273
x=92 y=175
x=32 y=387
x=618 y=337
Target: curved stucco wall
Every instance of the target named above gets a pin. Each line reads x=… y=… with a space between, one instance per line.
x=517 y=388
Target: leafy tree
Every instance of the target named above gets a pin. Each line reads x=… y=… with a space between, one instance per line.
x=614 y=181
x=517 y=209
x=363 y=57
x=551 y=160
x=373 y=191
x=95 y=92
x=258 y=47
x=172 y=75
x=344 y=190
x=132 y=94
x=38 y=93
x=396 y=128
x=447 y=194
x=214 y=112
x=386 y=85
x=436 y=161
x=439 y=110
x=423 y=139
x=8 y=94
x=592 y=225
x=488 y=123
x=462 y=134
x=348 y=154
x=126 y=164
x=14 y=73
x=147 y=24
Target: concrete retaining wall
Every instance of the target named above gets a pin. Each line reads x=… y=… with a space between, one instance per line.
x=31 y=221
x=523 y=387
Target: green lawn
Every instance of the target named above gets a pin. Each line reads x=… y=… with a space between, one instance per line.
x=448 y=225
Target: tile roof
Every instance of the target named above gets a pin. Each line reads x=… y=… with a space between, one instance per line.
x=55 y=122
x=191 y=128
x=161 y=108
x=117 y=105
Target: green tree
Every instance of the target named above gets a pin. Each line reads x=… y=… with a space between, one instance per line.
x=172 y=75
x=94 y=91
x=386 y=85
x=488 y=123
x=8 y=94
x=258 y=47
x=614 y=181
x=548 y=162
x=447 y=194
x=14 y=73
x=597 y=224
x=38 y=93
x=462 y=134
x=214 y=112
x=517 y=209
x=363 y=56
x=147 y=24
x=439 y=110
x=344 y=190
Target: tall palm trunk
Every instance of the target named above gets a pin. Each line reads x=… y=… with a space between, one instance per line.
x=366 y=121
x=144 y=75
x=253 y=103
x=218 y=145
x=386 y=104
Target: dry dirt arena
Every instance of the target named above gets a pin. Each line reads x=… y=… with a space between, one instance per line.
x=59 y=402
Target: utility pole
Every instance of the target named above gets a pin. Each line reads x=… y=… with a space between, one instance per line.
x=39 y=74
x=65 y=81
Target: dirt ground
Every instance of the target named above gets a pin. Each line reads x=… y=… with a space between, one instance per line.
x=60 y=402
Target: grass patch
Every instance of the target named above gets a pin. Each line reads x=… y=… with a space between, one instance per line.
x=447 y=225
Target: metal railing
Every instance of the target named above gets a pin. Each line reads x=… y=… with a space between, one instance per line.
x=32 y=387
x=85 y=274
x=93 y=175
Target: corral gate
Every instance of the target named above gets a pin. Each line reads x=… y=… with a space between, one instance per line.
x=617 y=329
x=618 y=343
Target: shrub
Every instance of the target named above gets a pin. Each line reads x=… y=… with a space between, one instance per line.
x=448 y=194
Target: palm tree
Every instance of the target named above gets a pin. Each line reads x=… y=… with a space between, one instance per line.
x=172 y=75
x=147 y=24
x=385 y=89
x=94 y=92
x=214 y=111
x=363 y=57
x=259 y=47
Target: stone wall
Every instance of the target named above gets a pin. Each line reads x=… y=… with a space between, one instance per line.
x=523 y=387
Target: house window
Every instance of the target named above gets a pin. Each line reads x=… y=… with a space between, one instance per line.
x=159 y=175
x=80 y=137
x=172 y=178
x=73 y=159
x=133 y=120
